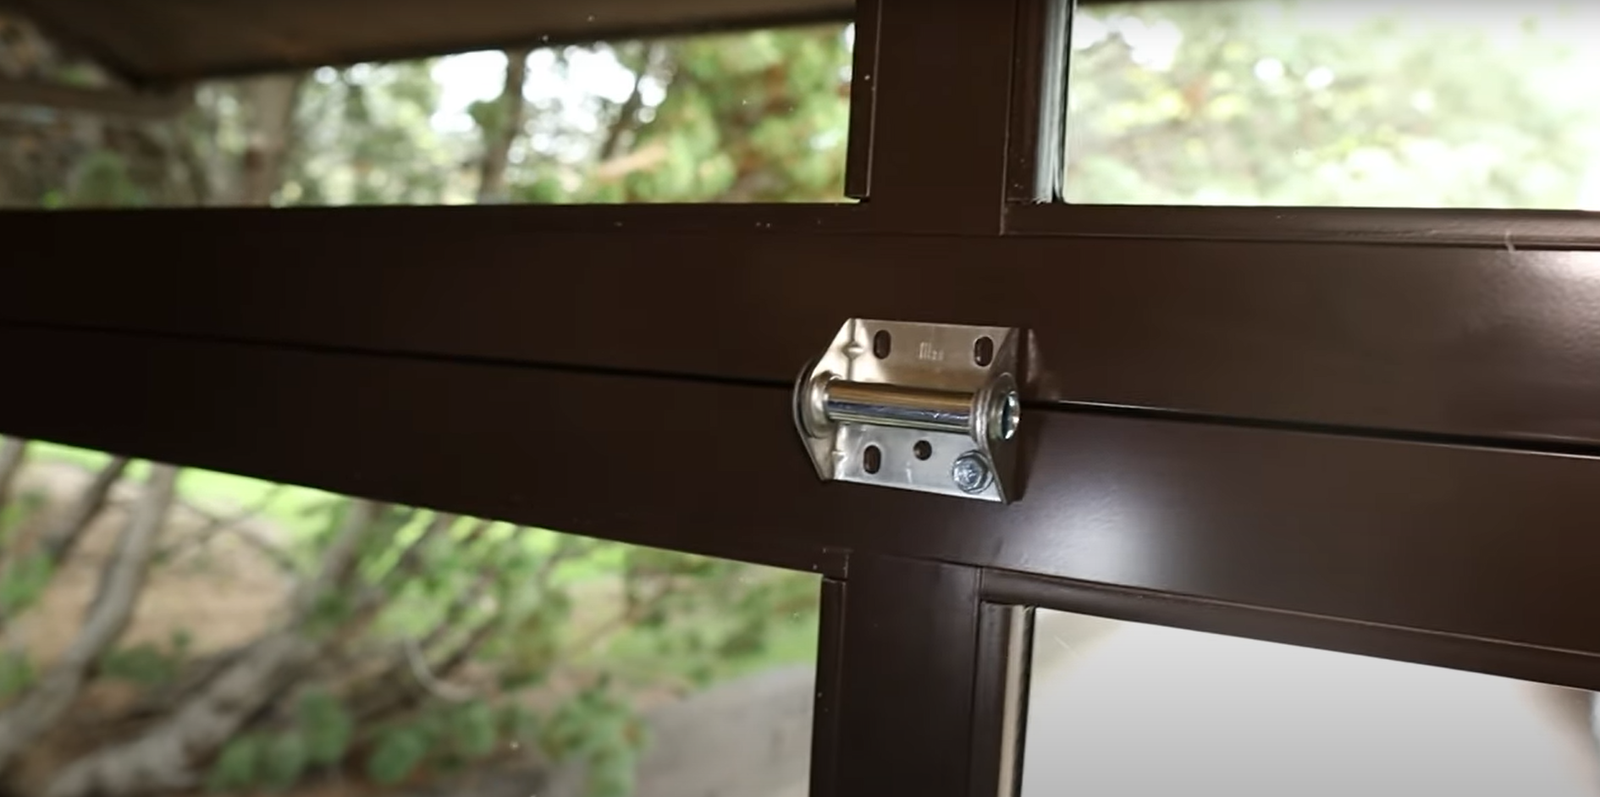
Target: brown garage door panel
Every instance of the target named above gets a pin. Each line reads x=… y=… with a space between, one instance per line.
x=1482 y=343
x=1470 y=542
x=164 y=40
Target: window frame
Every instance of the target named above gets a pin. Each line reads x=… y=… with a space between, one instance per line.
x=1035 y=205
x=1363 y=430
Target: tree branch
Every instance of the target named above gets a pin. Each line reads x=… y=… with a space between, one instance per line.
x=341 y=558
x=410 y=561
x=267 y=548
x=13 y=450
x=439 y=688
x=373 y=599
x=166 y=757
x=391 y=690
x=217 y=524
x=647 y=157
x=120 y=584
x=61 y=539
x=622 y=620
x=270 y=103
x=626 y=119
x=509 y=121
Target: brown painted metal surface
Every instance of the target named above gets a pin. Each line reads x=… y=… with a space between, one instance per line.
x=1475 y=342
x=1365 y=430
x=1456 y=541
x=910 y=636
x=177 y=40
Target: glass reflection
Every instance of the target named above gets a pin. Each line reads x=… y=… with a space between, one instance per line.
x=1335 y=102
x=750 y=116
x=1128 y=710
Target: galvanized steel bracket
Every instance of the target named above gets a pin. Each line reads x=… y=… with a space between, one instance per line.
x=927 y=407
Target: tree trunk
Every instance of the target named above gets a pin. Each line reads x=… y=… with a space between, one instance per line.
x=12 y=451
x=626 y=119
x=123 y=578
x=61 y=539
x=497 y=142
x=271 y=104
x=168 y=755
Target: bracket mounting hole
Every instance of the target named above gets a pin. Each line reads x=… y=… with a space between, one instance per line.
x=871 y=459
x=983 y=351
x=923 y=449
x=880 y=344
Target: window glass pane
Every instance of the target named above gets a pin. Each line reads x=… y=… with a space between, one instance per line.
x=754 y=116
x=1128 y=710
x=167 y=631
x=1327 y=102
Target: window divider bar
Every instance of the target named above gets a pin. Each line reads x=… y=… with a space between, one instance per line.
x=1502 y=657
x=825 y=725
x=1000 y=698
x=906 y=700
x=1036 y=151
x=863 y=100
x=1508 y=230
x=940 y=112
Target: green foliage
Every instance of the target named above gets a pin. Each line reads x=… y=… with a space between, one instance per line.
x=530 y=640
x=444 y=737
x=520 y=724
x=1286 y=103
x=144 y=664
x=680 y=614
x=239 y=765
x=397 y=753
x=103 y=179
x=366 y=138
x=488 y=115
x=391 y=532
x=378 y=552
x=719 y=620
x=328 y=612
x=751 y=117
x=284 y=759
x=16 y=511
x=326 y=518
x=255 y=761
x=326 y=727
x=23 y=580
x=597 y=728
x=16 y=674
x=321 y=734
x=474 y=729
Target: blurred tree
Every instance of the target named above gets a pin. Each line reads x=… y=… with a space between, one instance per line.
x=366 y=138
x=55 y=158
x=501 y=123
x=411 y=643
x=268 y=105
x=759 y=116
x=1330 y=103
x=756 y=117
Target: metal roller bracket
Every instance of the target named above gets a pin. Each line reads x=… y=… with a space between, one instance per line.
x=927 y=407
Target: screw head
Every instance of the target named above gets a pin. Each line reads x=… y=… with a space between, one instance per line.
x=971 y=473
